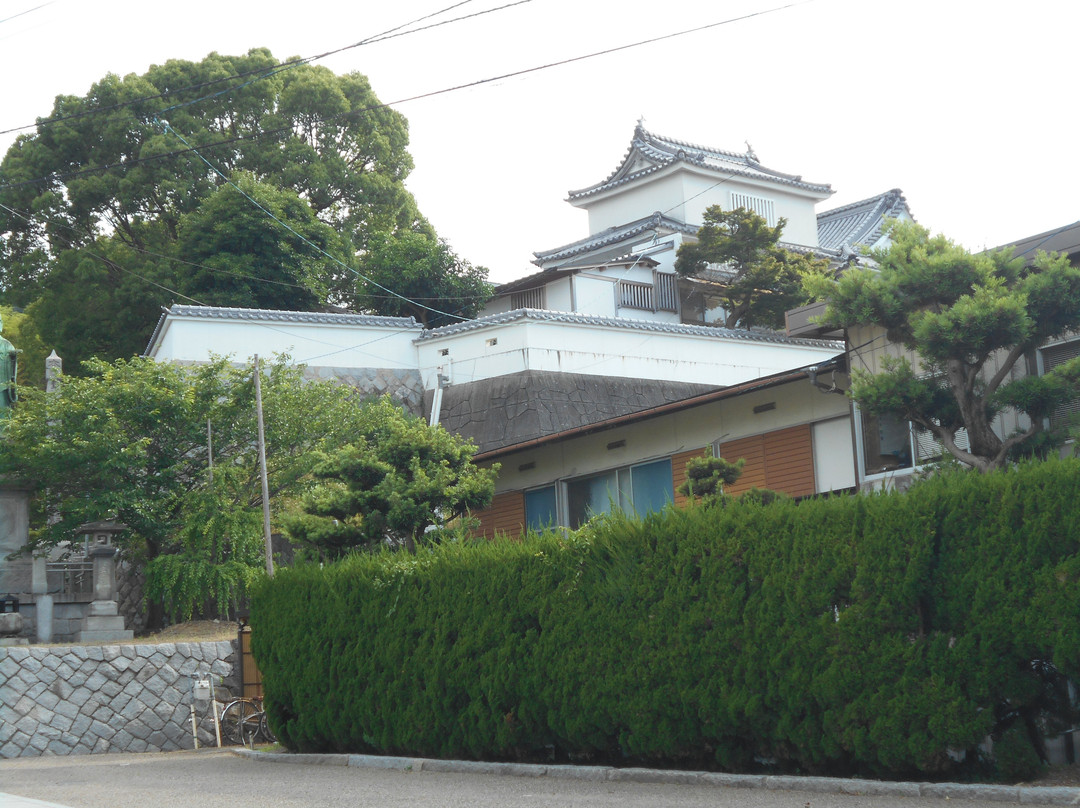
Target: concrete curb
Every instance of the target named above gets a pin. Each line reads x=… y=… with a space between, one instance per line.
x=1024 y=795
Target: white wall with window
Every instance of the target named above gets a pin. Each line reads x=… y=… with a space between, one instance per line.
x=889 y=446
x=638 y=489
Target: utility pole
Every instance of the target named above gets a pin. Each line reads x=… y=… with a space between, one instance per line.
x=262 y=470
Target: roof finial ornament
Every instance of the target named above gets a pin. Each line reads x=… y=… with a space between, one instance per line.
x=641 y=122
x=750 y=152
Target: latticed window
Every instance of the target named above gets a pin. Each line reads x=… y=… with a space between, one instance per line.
x=667 y=291
x=636 y=295
x=758 y=204
x=1052 y=357
x=528 y=299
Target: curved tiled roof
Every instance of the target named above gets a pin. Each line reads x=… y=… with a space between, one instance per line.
x=613 y=235
x=276 y=316
x=660 y=152
x=860 y=222
x=542 y=315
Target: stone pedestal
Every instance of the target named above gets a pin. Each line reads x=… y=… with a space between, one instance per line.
x=11 y=624
x=103 y=621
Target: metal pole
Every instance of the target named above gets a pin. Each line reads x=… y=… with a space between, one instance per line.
x=262 y=471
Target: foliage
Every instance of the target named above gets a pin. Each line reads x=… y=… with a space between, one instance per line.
x=219 y=554
x=969 y=319
x=19 y=330
x=130 y=441
x=425 y=270
x=865 y=634
x=399 y=478
x=706 y=476
x=762 y=281
x=105 y=211
x=1015 y=757
x=243 y=257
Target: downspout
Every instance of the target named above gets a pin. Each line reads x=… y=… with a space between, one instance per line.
x=441 y=381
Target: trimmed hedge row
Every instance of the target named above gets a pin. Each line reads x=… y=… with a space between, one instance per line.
x=876 y=634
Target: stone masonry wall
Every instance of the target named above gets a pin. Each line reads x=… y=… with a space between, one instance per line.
x=71 y=700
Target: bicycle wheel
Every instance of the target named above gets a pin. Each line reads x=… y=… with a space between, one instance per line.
x=240 y=721
x=264 y=729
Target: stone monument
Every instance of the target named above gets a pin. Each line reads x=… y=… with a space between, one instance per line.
x=103 y=621
x=9 y=363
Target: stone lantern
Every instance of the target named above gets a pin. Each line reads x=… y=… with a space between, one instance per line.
x=103 y=621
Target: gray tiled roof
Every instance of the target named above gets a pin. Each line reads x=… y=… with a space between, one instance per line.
x=532 y=404
x=650 y=153
x=1062 y=239
x=614 y=235
x=276 y=316
x=860 y=223
x=631 y=325
x=540 y=278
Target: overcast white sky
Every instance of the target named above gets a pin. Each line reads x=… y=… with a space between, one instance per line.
x=967 y=106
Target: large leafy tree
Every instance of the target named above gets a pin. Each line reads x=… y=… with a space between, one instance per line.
x=132 y=441
x=415 y=274
x=968 y=320
x=737 y=255
x=399 y=478
x=106 y=201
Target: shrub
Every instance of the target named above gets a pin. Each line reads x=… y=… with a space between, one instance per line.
x=867 y=634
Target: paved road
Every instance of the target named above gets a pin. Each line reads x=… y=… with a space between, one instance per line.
x=219 y=779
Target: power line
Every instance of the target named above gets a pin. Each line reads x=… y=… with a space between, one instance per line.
x=431 y=94
x=300 y=236
x=195 y=301
x=21 y=13
x=391 y=33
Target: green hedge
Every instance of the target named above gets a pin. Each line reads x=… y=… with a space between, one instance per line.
x=868 y=634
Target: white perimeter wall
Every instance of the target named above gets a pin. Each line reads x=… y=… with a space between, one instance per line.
x=610 y=351
x=195 y=339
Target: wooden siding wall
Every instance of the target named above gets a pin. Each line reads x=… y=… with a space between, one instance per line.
x=250 y=676
x=781 y=460
x=678 y=472
x=506 y=514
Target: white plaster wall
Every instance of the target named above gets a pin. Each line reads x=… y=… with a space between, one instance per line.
x=663 y=192
x=194 y=339
x=578 y=348
x=796 y=403
x=497 y=305
x=595 y=295
x=559 y=295
x=684 y=194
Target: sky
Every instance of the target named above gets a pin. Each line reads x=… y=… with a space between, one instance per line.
x=963 y=105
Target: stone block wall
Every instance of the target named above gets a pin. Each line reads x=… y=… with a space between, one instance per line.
x=70 y=700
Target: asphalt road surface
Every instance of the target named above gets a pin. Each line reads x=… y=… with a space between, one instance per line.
x=219 y=779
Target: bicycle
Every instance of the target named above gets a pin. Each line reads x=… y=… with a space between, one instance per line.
x=243 y=721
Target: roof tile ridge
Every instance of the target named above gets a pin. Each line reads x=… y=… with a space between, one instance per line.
x=611 y=182
x=617 y=322
x=876 y=198
x=615 y=232
x=686 y=144
x=626 y=156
